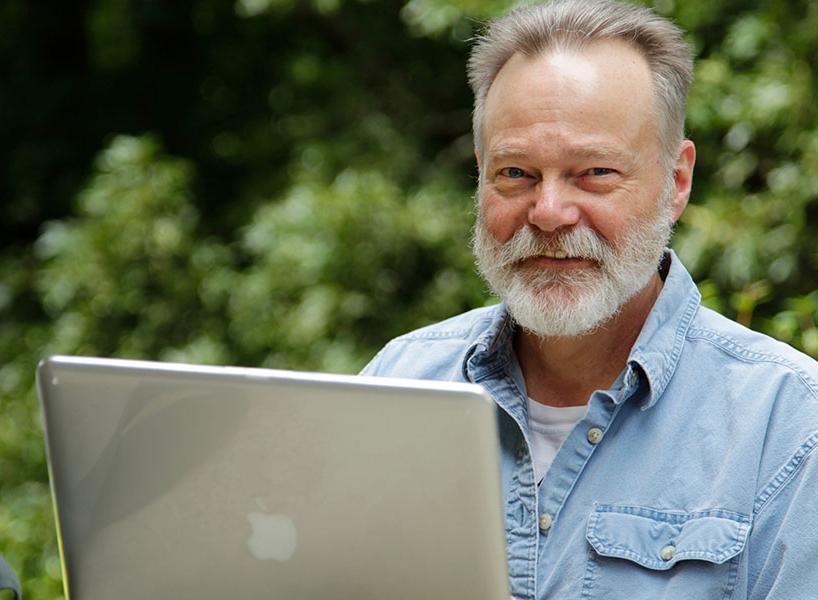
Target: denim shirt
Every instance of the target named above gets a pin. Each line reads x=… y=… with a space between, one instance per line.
x=693 y=476
x=8 y=580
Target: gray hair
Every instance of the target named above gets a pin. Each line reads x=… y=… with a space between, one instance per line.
x=564 y=24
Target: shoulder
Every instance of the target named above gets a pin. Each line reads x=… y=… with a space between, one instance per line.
x=739 y=346
x=761 y=390
x=436 y=351
x=464 y=326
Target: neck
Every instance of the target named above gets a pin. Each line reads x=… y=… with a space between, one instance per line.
x=565 y=371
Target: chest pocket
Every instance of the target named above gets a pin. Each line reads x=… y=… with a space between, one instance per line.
x=638 y=552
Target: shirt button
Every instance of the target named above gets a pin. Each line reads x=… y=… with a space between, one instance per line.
x=545 y=521
x=667 y=552
x=594 y=435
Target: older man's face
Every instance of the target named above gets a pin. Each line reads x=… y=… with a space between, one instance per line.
x=575 y=203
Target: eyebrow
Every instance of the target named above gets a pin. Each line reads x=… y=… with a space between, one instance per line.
x=598 y=152
x=506 y=152
x=604 y=153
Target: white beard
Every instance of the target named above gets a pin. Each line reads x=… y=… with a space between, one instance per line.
x=577 y=301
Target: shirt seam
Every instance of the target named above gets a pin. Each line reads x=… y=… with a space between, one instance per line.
x=464 y=332
x=785 y=475
x=736 y=350
x=434 y=335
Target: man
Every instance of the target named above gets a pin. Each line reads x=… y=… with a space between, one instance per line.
x=650 y=447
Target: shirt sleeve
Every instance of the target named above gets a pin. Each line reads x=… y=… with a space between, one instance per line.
x=373 y=366
x=784 y=539
x=8 y=580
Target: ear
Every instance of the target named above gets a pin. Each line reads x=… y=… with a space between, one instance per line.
x=477 y=158
x=683 y=177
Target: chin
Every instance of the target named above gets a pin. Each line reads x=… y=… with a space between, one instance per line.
x=558 y=309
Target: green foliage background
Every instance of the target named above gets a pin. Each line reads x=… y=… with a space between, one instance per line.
x=288 y=183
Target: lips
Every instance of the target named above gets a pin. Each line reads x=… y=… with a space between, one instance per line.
x=557 y=259
x=577 y=247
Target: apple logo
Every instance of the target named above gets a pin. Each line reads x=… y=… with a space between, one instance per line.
x=272 y=536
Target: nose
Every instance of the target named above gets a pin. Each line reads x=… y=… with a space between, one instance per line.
x=553 y=207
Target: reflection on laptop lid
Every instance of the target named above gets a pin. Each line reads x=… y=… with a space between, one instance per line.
x=180 y=481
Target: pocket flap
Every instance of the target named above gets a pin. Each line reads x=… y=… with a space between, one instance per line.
x=659 y=539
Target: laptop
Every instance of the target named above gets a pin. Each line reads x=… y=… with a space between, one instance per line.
x=192 y=482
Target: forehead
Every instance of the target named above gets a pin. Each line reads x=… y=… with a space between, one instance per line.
x=597 y=96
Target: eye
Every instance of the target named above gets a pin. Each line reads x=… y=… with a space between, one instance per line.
x=512 y=172
x=599 y=171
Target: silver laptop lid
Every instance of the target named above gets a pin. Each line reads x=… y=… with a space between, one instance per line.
x=180 y=481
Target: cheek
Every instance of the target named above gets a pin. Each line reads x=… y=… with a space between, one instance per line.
x=502 y=219
x=616 y=226
x=611 y=226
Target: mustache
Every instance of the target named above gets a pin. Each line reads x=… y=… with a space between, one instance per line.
x=577 y=242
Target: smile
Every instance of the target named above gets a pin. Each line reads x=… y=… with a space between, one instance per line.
x=555 y=254
x=559 y=260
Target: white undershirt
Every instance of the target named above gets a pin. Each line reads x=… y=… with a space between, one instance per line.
x=548 y=427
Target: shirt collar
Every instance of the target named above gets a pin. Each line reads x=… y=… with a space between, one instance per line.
x=493 y=349
x=654 y=355
x=657 y=350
